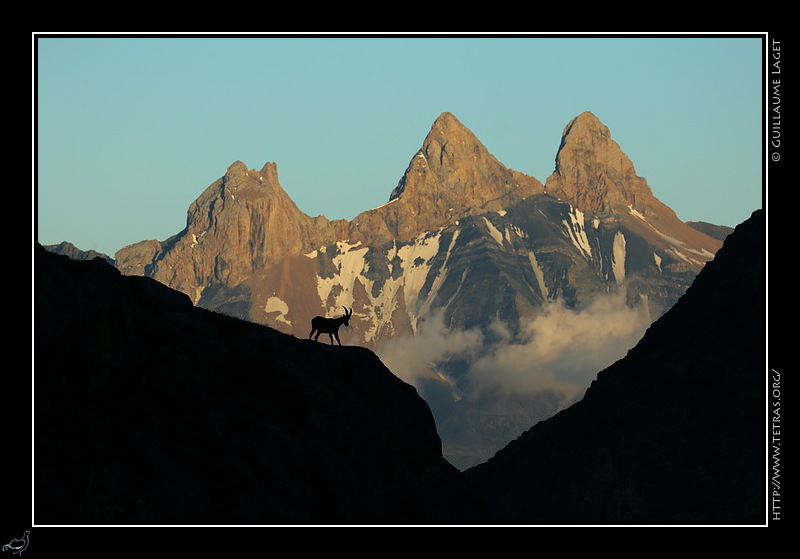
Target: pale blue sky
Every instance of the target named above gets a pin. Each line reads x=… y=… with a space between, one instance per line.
x=130 y=131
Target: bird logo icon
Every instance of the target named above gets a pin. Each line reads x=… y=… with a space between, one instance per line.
x=17 y=546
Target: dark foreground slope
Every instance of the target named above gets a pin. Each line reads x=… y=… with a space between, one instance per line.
x=150 y=410
x=674 y=433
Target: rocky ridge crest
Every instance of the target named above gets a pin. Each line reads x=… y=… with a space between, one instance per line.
x=150 y=410
x=594 y=175
x=245 y=223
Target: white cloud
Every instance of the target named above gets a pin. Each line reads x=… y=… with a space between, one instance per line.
x=414 y=357
x=561 y=349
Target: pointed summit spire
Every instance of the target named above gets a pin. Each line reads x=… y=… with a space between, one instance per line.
x=448 y=120
x=451 y=176
x=592 y=172
x=451 y=155
x=455 y=166
x=594 y=175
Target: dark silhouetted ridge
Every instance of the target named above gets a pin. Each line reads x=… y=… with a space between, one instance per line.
x=671 y=434
x=149 y=410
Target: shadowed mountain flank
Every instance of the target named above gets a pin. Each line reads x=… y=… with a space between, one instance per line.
x=148 y=410
x=68 y=249
x=673 y=433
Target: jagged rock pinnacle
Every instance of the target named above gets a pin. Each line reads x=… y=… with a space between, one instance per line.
x=594 y=175
x=243 y=221
x=592 y=172
x=453 y=175
x=451 y=159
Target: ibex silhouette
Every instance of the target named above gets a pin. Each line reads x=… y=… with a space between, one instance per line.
x=330 y=326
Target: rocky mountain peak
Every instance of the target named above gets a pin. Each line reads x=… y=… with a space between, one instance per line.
x=446 y=124
x=592 y=172
x=594 y=175
x=453 y=163
x=239 y=179
x=244 y=221
x=452 y=175
x=249 y=213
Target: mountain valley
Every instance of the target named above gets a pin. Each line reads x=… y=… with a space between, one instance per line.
x=496 y=295
x=150 y=410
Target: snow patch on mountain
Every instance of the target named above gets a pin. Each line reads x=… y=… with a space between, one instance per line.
x=351 y=264
x=575 y=227
x=538 y=272
x=681 y=256
x=618 y=257
x=385 y=204
x=494 y=231
x=439 y=279
x=380 y=308
x=515 y=230
x=416 y=263
x=636 y=213
x=278 y=305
